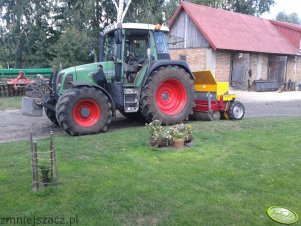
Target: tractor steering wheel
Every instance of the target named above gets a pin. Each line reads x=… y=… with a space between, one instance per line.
x=131 y=56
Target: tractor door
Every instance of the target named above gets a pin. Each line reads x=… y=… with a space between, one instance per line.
x=113 y=71
x=135 y=53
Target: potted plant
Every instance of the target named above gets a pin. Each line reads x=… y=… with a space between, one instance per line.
x=179 y=135
x=165 y=136
x=189 y=137
x=159 y=135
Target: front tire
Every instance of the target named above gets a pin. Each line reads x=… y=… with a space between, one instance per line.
x=236 y=110
x=168 y=95
x=51 y=116
x=49 y=112
x=82 y=111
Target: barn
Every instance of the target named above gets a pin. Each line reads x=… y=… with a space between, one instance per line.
x=238 y=48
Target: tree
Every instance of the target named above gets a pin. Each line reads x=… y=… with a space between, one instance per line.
x=72 y=49
x=86 y=16
x=249 y=7
x=290 y=18
x=27 y=31
x=146 y=11
x=14 y=20
x=122 y=7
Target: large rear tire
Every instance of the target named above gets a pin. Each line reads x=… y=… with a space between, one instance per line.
x=82 y=111
x=168 y=95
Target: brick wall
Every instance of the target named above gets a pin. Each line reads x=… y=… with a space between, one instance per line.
x=196 y=58
x=259 y=63
x=223 y=66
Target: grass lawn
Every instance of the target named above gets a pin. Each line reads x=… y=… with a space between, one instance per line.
x=10 y=102
x=231 y=175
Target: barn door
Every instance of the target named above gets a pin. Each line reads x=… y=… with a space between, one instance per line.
x=240 y=69
x=277 y=69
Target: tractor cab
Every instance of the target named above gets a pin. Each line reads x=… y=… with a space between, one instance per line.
x=133 y=45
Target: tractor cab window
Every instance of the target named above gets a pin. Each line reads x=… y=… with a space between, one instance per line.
x=109 y=47
x=135 y=52
x=135 y=49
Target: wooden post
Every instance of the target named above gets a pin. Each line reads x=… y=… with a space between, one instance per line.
x=52 y=172
x=36 y=172
x=30 y=140
x=32 y=162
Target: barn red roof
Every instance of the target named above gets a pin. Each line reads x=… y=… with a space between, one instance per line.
x=235 y=31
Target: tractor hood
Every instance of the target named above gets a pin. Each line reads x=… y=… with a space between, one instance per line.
x=83 y=73
x=86 y=69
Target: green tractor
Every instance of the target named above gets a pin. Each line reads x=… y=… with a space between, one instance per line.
x=135 y=75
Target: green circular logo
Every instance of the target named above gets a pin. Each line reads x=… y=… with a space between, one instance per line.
x=282 y=215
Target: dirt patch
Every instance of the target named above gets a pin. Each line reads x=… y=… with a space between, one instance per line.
x=15 y=126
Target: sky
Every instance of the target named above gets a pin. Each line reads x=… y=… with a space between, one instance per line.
x=287 y=6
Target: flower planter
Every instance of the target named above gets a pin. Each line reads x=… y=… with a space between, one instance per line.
x=178 y=144
x=163 y=142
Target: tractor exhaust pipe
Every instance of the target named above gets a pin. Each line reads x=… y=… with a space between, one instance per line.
x=101 y=46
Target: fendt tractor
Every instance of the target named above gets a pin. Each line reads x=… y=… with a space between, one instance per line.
x=136 y=76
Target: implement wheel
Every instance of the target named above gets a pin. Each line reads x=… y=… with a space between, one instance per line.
x=82 y=111
x=236 y=110
x=206 y=116
x=168 y=95
x=215 y=115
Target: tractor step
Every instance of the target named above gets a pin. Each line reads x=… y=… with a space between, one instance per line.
x=131 y=99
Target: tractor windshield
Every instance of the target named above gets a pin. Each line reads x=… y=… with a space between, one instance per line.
x=161 y=45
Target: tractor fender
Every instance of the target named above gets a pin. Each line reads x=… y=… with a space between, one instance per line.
x=162 y=63
x=87 y=84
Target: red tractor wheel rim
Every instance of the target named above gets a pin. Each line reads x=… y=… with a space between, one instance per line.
x=86 y=113
x=171 y=97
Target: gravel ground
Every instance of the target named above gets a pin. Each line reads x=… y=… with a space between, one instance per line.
x=15 y=126
x=268 y=96
x=265 y=104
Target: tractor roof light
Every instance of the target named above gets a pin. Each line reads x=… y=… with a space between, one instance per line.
x=158 y=27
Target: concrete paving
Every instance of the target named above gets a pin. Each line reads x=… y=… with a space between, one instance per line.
x=266 y=104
